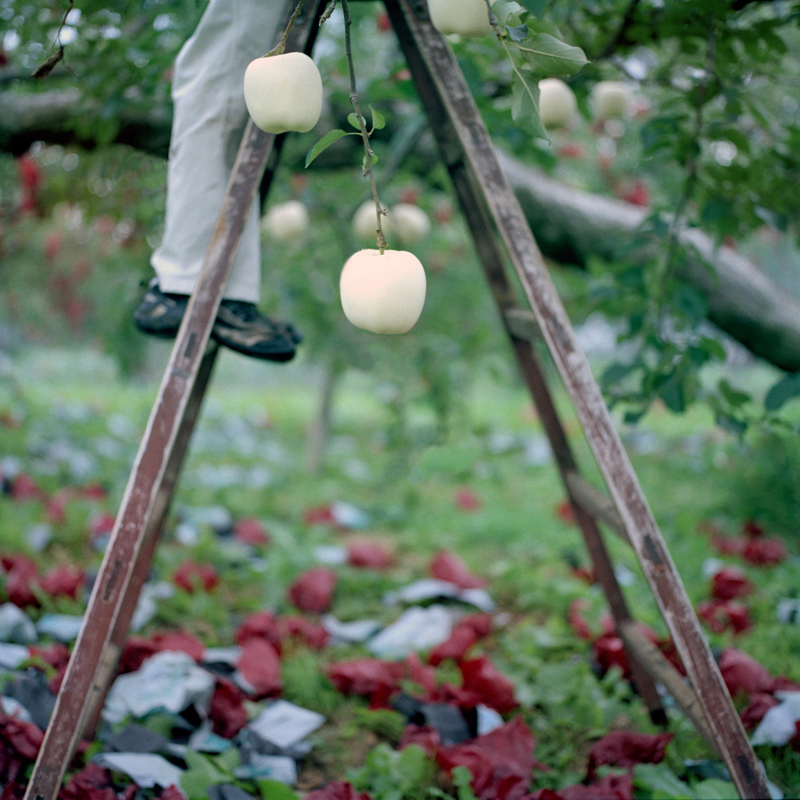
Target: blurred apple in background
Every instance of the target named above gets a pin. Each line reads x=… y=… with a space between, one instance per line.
x=467 y=18
x=286 y=222
x=557 y=104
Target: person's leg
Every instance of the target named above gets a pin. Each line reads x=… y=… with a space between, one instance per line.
x=209 y=118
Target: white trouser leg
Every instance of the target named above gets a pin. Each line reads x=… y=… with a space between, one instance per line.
x=209 y=119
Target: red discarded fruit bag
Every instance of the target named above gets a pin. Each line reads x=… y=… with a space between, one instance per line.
x=260 y=666
x=455 y=647
x=423 y=736
x=313 y=590
x=180 y=642
x=466 y=632
x=250 y=531
x=369 y=554
x=765 y=552
x=261 y=625
x=302 y=630
x=609 y=787
x=743 y=674
x=730 y=583
x=192 y=577
x=367 y=677
x=227 y=712
x=487 y=685
x=760 y=703
x=64 y=580
x=91 y=783
x=627 y=748
x=449 y=567
x=500 y=762
x=467 y=500
x=720 y=615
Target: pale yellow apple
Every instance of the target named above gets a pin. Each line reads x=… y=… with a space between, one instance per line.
x=383 y=292
x=409 y=222
x=610 y=99
x=283 y=92
x=365 y=222
x=467 y=18
x=286 y=222
x=557 y=104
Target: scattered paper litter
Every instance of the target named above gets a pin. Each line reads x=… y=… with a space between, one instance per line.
x=169 y=680
x=62 y=627
x=788 y=611
x=284 y=724
x=13 y=655
x=275 y=768
x=432 y=589
x=415 y=629
x=144 y=769
x=16 y=627
x=779 y=724
x=352 y=632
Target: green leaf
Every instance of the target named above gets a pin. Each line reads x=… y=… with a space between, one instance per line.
x=732 y=396
x=517 y=33
x=378 y=120
x=352 y=118
x=525 y=106
x=784 y=390
x=503 y=9
x=548 y=56
x=326 y=141
x=274 y=790
x=662 y=782
x=713 y=789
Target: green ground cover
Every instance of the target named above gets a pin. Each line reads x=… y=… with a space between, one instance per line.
x=486 y=491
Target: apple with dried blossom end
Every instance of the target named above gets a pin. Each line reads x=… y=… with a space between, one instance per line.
x=283 y=92
x=383 y=292
x=467 y=18
x=557 y=104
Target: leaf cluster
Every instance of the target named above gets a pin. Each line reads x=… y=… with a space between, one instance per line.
x=536 y=50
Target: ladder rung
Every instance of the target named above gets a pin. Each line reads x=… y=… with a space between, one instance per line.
x=594 y=503
x=522 y=324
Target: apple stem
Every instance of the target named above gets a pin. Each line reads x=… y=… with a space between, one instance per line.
x=281 y=46
x=379 y=210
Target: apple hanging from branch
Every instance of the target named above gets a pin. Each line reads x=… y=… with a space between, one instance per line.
x=467 y=18
x=383 y=292
x=283 y=92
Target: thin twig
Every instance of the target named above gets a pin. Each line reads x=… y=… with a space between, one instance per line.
x=379 y=211
x=281 y=46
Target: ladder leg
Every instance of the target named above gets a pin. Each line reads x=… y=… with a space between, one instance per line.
x=158 y=462
x=463 y=137
x=163 y=499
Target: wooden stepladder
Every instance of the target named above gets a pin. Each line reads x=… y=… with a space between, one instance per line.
x=501 y=234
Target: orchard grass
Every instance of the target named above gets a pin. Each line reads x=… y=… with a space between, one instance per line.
x=70 y=421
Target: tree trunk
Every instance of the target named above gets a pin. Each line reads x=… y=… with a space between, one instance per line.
x=569 y=225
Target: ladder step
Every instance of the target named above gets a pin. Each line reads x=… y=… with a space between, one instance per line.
x=522 y=324
x=594 y=503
